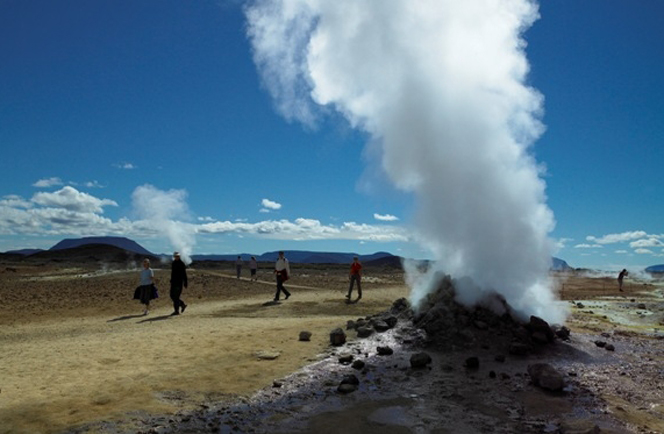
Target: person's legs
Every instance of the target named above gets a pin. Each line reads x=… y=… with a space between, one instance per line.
x=279 y=286
x=176 y=291
x=350 y=286
x=359 y=287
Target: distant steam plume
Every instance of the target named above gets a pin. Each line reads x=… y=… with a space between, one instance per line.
x=440 y=86
x=163 y=211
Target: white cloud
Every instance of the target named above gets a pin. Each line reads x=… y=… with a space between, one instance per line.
x=308 y=229
x=644 y=252
x=617 y=238
x=93 y=184
x=621 y=252
x=588 y=246
x=73 y=200
x=14 y=201
x=48 y=182
x=385 y=217
x=126 y=166
x=270 y=205
x=647 y=242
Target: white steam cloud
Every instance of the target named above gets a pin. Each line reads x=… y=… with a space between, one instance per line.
x=162 y=210
x=440 y=86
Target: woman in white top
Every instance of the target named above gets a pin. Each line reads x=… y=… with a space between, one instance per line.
x=145 y=290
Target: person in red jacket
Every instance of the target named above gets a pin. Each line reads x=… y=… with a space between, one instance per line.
x=355 y=276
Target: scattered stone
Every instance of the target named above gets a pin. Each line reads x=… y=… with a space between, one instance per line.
x=346 y=388
x=562 y=332
x=580 y=305
x=545 y=376
x=472 y=362
x=351 y=325
x=419 y=360
x=492 y=374
x=337 y=337
x=277 y=384
x=349 y=384
x=305 y=336
x=385 y=351
x=358 y=364
x=540 y=327
x=267 y=355
x=600 y=344
x=610 y=347
x=346 y=359
x=641 y=306
x=380 y=326
x=364 y=332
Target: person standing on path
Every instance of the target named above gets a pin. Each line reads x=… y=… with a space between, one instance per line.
x=624 y=273
x=355 y=276
x=178 y=280
x=253 y=266
x=145 y=290
x=238 y=266
x=282 y=271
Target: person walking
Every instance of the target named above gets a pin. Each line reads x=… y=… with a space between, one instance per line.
x=145 y=291
x=282 y=271
x=624 y=273
x=178 y=280
x=355 y=276
x=253 y=266
x=238 y=266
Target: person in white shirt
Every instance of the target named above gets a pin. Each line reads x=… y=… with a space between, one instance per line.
x=282 y=271
x=253 y=266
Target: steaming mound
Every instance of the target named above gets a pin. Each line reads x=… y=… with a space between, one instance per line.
x=490 y=322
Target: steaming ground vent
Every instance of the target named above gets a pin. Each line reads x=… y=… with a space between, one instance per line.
x=490 y=323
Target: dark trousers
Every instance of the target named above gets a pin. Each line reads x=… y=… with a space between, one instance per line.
x=355 y=278
x=176 y=291
x=238 y=269
x=280 y=289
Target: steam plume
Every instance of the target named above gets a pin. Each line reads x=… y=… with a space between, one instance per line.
x=440 y=86
x=160 y=209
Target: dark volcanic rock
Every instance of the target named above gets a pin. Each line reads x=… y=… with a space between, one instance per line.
x=472 y=362
x=546 y=377
x=305 y=336
x=384 y=351
x=337 y=337
x=420 y=360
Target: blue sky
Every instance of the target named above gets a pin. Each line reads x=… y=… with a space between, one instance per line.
x=151 y=120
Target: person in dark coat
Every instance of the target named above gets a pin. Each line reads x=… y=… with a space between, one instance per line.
x=178 y=281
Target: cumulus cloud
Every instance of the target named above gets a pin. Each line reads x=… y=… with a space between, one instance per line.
x=48 y=182
x=646 y=242
x=73 y=200
x=644 y=252
x=385 y=217
x=440 y=86
x=308 y=229
x=269 y=205
x=617 y=238
x=588 y=246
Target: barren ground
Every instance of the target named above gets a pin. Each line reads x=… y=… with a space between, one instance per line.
x=76 y=350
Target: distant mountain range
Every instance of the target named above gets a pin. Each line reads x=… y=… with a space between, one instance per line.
x=655 y=269
x=294 y=256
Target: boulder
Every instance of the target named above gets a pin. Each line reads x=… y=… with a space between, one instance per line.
x=546 y=376
x=305 y=336
x=420 y=360
x=337 y=337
